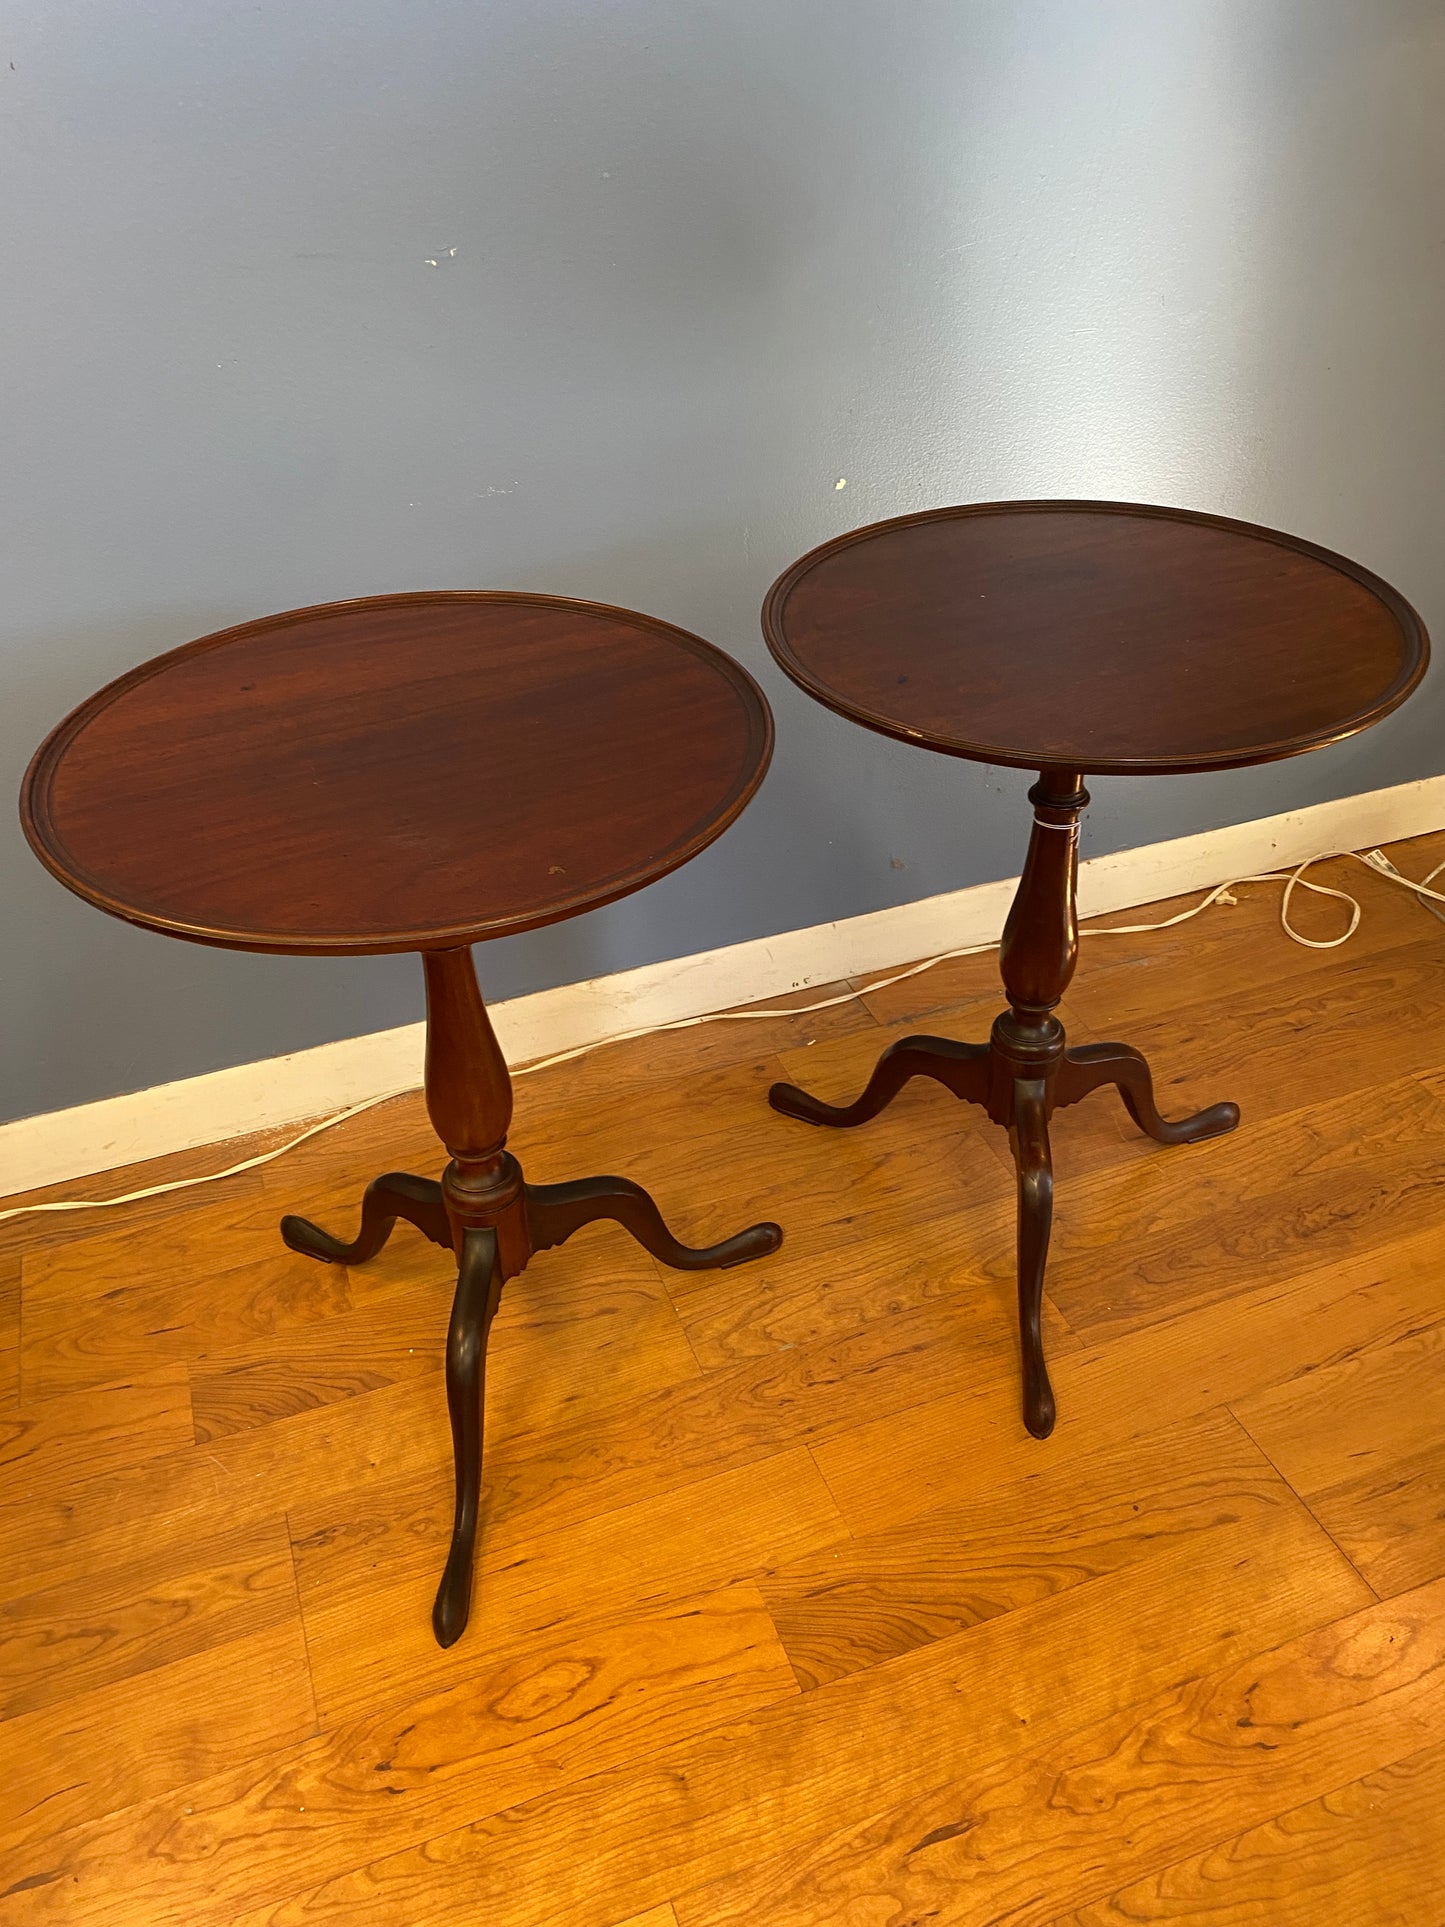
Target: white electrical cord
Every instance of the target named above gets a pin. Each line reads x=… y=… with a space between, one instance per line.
x=1292 y=880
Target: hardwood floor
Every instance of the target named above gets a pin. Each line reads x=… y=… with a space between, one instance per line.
x=781 y=1618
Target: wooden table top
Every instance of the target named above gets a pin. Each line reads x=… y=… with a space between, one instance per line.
x=399 y=773
x=1098 y=637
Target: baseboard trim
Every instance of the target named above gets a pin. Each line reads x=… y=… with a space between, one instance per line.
x=61 y=1145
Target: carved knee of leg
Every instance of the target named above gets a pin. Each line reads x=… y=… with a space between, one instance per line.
x=1036 y=1191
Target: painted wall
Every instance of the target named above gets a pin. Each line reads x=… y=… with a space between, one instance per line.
x=606 y=297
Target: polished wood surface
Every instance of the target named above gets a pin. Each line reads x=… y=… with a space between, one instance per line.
x=780 y=1617
x=1104 y=637
x=399 y=773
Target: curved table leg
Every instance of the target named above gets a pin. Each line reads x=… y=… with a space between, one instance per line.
x=555 y=1211
x=961 y=1068
x=1090 y=1065
x=1029 y=1137
x=397 y=1195
x=479 y=1288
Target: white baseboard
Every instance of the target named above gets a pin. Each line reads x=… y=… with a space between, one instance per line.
x=61 y=1145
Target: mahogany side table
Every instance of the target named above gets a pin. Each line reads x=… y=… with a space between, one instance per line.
x=416 y=772
x=1077 y=638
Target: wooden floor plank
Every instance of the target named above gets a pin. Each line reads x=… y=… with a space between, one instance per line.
x=331 y=1170
x=539 y=1481
x=772 y=1782
x=607 y=1129
x=367 y=1575
x=45 y=1230
x=748 y=1412
x=1313 y=1037
x=778 y=1610
x=820 y=1186
x=1363 y=1442
x=558 y=1135
x=154 y=1298
x=47 y=1446
x=1372 y=1851
x=1201 y=1223
x=79 y=1758
x=9 y=1332
x=1356 y=1416
x=1391 y=1521
x=148 y=1510
x=1016 y=1541
x=531 y=1724
x=594 y=1318
x=1189 y=1766
x=898 y=1465
x=967 y=987
x=825 y=1285
x=1157 y=1227
x=114 y=1626
x=1229 y=949
x=399 y=1431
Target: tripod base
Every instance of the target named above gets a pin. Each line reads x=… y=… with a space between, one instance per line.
x=1021 y=1077
x=534 y=1218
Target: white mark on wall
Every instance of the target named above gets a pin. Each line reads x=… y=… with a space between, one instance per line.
x=842 y=482
x=435 y=260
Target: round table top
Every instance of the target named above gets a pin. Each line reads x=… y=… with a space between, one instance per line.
x=403 y=772
x=1108 y=638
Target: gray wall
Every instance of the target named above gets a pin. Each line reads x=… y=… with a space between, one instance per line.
x=695 y=260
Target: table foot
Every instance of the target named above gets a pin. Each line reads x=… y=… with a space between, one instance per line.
x=1089 y=1066
x=397 y=1195
x=960 y=1068
x=479 y=1288
x=555 y=1211
x=1029 y=1137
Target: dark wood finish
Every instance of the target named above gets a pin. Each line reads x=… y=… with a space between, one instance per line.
x=400 y=773
x=1026 y=1070
x=1113 y=638
x=1076 y=637
x=495 y=1221
x=412 y=773
x=479 y=1291
x=396 y=1195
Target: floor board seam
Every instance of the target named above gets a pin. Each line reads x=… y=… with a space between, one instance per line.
x=1375 y=1594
